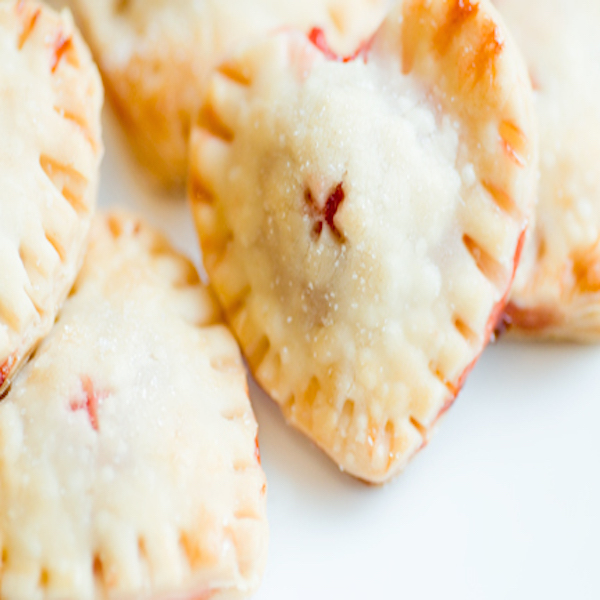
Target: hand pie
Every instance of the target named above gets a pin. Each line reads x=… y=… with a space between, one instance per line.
x=557 y=289
x=155 y=57
x=49 y=161
x=128 y=458
x=361 y=219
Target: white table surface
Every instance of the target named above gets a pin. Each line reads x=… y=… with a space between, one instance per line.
x=503 y=504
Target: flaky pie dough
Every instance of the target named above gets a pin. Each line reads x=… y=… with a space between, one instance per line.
x=361 y=217
x=129 y=466
x=50 y=154
x=557 y=289
x=155 y=56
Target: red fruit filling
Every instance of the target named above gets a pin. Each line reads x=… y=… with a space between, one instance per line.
x=326 y=215
x=62 y=45
x=88 y=400
x=6 y=368
x=318 y=38
x=257 y=451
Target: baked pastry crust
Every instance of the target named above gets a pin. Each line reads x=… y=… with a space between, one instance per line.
x=360 y=220
x=50 y=154
x=155 y=56
x=129 y=465
x=557 y=289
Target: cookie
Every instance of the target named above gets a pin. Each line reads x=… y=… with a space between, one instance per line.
x=361 y=218
x=129 y=465
x=155 y=57
x=557 y=289
x=49 y=162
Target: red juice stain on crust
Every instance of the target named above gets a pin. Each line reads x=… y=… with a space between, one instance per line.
x=318 y=38
x=257 y=450
x=6 y=368
x=458 y=15
x=514 y=142
x=492 y=45
x=88 y=401
x=28 y=26
x=3 y=373
x=62 y=45
x=498 y=312
x=492 y=325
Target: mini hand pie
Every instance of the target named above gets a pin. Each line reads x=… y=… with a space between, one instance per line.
x=361 y=219
x=156 y=54
x=557 y=288
x=128 y=458
x=49 y=161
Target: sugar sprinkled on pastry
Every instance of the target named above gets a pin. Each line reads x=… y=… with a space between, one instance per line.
x=155 y=56
x=361 y=218
x=557 y=289
x=129 y=466
x=49 y=160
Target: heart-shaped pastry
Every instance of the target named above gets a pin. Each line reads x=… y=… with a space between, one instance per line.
x=557 y=288
x=129 y=466
x=155 y=57
x=49 y=162
x=361 y=218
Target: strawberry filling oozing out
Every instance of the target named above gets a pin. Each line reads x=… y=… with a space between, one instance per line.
x=88 y=400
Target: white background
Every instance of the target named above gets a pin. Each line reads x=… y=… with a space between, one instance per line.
x=503 y=504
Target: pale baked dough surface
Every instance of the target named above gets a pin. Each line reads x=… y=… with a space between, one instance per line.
x=360 y=221
x=557 y=291
x=155 y=56
x=49 y=156
x=128 y=455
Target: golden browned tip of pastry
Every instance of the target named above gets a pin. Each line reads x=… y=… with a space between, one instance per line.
x=156 y=56
x=129 y=464
x=557 y=290
x=49 y=163
x=361 y=218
